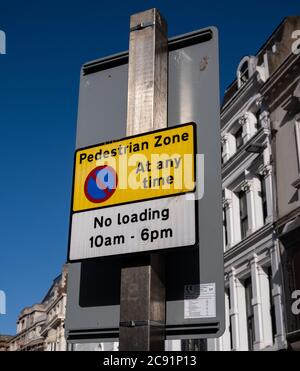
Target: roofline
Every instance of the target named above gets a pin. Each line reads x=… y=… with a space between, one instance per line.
x=262 y=47
x=272 y=35
x=51 y=287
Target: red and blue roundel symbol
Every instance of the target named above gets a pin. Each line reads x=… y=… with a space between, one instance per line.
x=100 y=184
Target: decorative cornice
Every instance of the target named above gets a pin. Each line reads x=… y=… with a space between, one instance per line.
x=247 y=186
x=251 y=241
x=232 y=165
x=279 y=74
x=224 y=139
x=232 y=273
x=227 y=202
x=253 y=82
x=243 y=120
x=265 y=170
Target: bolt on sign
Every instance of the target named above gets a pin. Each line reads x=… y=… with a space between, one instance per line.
x=129 y=195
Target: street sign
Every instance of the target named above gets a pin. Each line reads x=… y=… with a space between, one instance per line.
x=110 y=177
x=144 y=226
x=137 y=168
x=194 y=276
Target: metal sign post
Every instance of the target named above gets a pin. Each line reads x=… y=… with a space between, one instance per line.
x=142 y=303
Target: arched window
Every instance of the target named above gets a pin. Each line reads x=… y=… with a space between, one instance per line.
x=245 y=70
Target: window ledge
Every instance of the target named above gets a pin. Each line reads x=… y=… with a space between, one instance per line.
x=258 y=138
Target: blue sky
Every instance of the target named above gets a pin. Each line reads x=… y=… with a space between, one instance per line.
x=47 y=42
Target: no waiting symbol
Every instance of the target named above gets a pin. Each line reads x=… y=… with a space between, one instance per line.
x=100 y=184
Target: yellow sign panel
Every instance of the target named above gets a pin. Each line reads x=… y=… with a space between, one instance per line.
x=158 y=164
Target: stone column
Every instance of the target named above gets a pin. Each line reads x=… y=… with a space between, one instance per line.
x=266 y=171
x=280 y=340
x=266 y=307
x=116 y=346
x=227 y=207
x=248 y=121
x=248 y=188
x=219 y=344
x=252 y=187
x=238 y=314
x=173 y=345
x=62 y=340
x=257 y=205
x=212 y=345
x=231 y=206
x=229 y=147
x=268 y=179
x=261 y=306
x=225 y=339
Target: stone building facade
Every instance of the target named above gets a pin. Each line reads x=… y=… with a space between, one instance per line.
x=41 y=327
x=4 y=342
x=281 y=94
x=257 y=193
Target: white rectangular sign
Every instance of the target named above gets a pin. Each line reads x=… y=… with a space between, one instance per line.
x=200 y=301
x=144 y=226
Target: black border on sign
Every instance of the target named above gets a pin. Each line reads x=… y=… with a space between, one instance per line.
x=132 y=202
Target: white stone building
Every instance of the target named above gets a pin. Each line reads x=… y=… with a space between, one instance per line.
x=53 y=330
x=253 y=273
x=41 y=327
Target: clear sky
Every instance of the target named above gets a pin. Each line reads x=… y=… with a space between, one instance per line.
x=47 y=42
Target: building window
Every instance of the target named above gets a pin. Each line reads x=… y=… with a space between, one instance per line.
x=272 y=306
x=225 y=227
x=249 y=313
x=243 y=214
x=263 y=197
x=222 y=155
x=258 y=123
x=239 y=138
